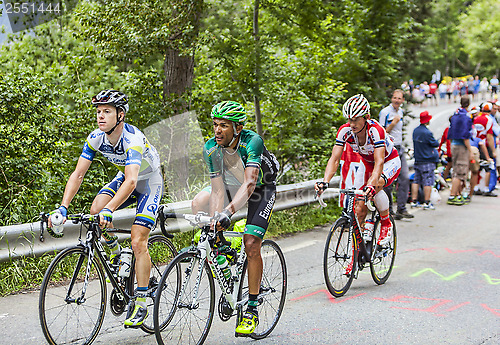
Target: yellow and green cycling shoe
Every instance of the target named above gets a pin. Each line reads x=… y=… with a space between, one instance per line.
x=247 y=325
x=137 y=317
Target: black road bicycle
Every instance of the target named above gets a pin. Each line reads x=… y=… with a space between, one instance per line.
x=346 y=252
x=185 y=304
x=73 y=295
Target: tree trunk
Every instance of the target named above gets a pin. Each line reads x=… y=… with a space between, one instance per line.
x=256 y=98
x=179 y=73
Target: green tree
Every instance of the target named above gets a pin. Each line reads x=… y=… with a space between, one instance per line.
x=480 y=30
x=146 y=32
x=30 y=145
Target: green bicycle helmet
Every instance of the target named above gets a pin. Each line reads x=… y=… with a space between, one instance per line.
x=231 y=111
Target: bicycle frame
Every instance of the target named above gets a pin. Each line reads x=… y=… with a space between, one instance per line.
x=350 y=214
x=230 y=289
x=93 y=246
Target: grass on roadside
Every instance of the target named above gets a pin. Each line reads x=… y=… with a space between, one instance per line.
x=27 y=273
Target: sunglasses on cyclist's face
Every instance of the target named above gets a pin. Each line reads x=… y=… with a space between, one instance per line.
x=100 y=99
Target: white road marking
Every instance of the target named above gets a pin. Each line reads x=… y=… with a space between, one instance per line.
x=299 y=246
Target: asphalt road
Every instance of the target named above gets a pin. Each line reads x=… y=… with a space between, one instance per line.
x=444 y=289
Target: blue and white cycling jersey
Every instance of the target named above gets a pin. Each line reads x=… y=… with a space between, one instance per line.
x=132 y=148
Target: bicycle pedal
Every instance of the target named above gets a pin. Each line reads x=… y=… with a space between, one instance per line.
x=241 y=335
x=134 y=327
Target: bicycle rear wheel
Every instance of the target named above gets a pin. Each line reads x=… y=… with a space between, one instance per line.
x=339 y=259
x=162 y=251
x=272 y=292
x=178 y=319
x=67 y=316
x=382 y=260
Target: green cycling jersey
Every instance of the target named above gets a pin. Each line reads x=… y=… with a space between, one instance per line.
x=250 y=152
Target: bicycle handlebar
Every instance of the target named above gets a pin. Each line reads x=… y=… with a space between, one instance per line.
x=346 y=191
x=199 y=219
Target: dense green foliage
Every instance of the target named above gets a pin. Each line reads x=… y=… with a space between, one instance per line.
x=297 y=60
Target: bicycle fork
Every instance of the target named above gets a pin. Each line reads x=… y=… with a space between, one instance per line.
x=74 y=278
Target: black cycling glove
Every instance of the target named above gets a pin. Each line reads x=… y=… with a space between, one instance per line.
x=223 y=218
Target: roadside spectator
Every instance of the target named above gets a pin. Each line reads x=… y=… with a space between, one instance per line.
x=426 y=157
x=459 y=134
x=487 y=129
x=462 y=87
x=417 y=95
x=443 y=88
x=455 y=89
x=405 y=87
x=479 y=151
x=411 y=86
x=484 y=85
x=432 y=93
x=446 y=151
x=424 y=88
x=391 y=118
x=476 y=84
x=449 y=90
x=470 y=87
x=494 y=85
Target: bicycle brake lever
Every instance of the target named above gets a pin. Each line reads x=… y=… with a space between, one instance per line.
x=320 y=200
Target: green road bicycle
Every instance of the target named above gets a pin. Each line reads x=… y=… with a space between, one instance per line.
x=73 y=295
x=185 y=304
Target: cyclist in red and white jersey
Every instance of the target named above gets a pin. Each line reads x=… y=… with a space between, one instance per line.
x=382 y=164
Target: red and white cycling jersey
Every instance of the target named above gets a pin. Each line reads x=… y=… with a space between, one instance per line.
x=376 y=137
x=483 y=125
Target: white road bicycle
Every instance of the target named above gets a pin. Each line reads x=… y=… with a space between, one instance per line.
x=185 y=300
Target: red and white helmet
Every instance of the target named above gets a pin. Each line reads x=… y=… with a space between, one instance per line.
x=356 y=106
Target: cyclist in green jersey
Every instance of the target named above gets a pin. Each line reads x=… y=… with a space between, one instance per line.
x=241 y=170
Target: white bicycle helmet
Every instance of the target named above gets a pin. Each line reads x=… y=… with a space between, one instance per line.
x=356 y=106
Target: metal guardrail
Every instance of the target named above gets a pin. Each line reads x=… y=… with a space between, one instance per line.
x=22 y=240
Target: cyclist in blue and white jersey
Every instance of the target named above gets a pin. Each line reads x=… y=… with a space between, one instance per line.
x=139 y=180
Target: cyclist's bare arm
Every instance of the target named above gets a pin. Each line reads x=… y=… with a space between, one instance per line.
x=217 y=195
x=245 y=191
x=127 y=187
x=374 y=180
x=331 y=166
x=75 y=181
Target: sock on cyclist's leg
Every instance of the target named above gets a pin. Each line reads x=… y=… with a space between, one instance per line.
x=385 y=220
x=141 y=296
x=252 y=304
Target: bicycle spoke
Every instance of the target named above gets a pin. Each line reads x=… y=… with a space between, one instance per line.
x=339 y=262
x=64 y=322
x=182 y=321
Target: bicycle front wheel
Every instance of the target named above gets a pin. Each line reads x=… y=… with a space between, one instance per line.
x=71 y=312
x=382 y=260
x=272 y=292
x=184 y=302
x=162 y=251
x=339 y=259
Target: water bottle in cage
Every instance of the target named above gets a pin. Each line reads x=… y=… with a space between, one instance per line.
x=125 y=262
x=368 y=232
x=222 y=261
